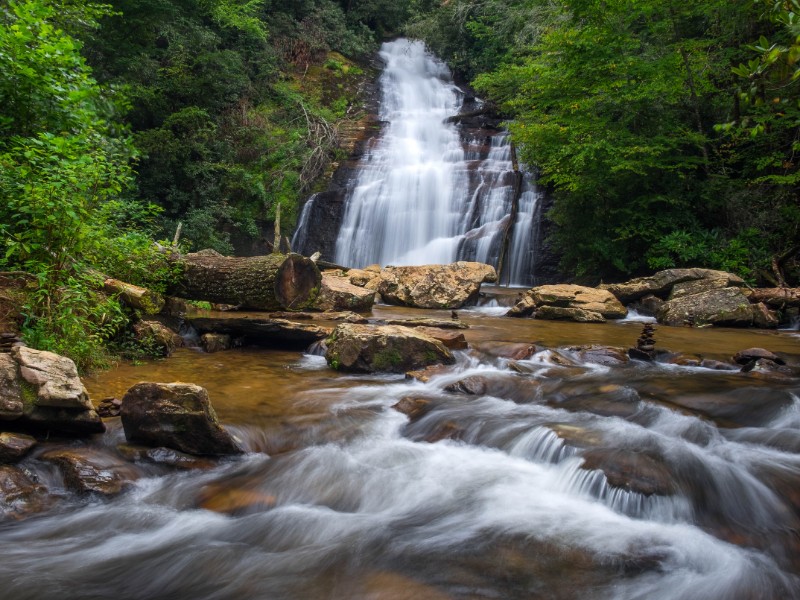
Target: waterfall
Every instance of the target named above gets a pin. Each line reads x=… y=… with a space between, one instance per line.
x=426 y=191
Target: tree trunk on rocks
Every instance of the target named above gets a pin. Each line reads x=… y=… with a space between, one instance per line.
x=776 y=297
x=147 y=301
x=271 y=282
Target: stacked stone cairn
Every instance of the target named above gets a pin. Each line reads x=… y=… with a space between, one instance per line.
x=646 y=344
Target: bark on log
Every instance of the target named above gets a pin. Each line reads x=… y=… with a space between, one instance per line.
x=776 y=297
x=270 y=282
x=148 y=301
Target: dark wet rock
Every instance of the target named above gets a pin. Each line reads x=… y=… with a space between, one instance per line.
x=454 y=340
x=89 y=471
x=577 y=436
x=157 y=337
x=383 y=348
x=717 y=365
x=262 y=332
x=506 y=386
x=348 y=316
x=175 y=415
x=600 y=355
x=414 y=407
x=234 y=500
x=14 y=446
x=741 y=407
x=443 y=431
x=428 y=323
x=10 y=393
x=767 y=369
x=725 y=306
x=648 y=305
x=109 y=407
x=745 y=356
x=20 y=495
x=660 y=284
x=174 y=307
x=165 y=456
x=609 y=400
x=630 y=470
x=579 y=315
x=512 y=351
x=338 y=294
x=424 y=375
x=215 y=342
x=568 y=302
x=63 y=420
x=435 y=286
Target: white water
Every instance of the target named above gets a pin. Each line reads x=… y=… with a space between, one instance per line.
x=422 y=195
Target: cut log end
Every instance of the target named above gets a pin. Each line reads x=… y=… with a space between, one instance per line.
x=298 y=282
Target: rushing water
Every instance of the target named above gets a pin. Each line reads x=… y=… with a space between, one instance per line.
x=558 y=476
x=425 y=195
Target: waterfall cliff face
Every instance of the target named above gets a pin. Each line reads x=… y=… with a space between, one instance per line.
x=428 y=190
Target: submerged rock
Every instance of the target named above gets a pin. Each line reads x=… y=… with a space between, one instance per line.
x=571 y=302
x=435 y=286
x=383 y=348
x=175 y=415
x=88 y=471
x=215 y=342
x=630 y=470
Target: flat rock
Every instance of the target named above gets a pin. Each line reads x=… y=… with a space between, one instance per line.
x=660 y=284
x=63 y=420
x=631 y=471
x=725 y=306
x=54 y=377
x=346 y=315
x=262 y=331
x=11 y=406
x=439 y=323
x=338 y=294
x=165 y=456
x=175 y=415
x=89 y=471
x=383 y=348
x=558 y=313
x=540 y=301
x=14 y=446
x=745 y=356
x=435 y=286
x=600 y=355
x=454 y=340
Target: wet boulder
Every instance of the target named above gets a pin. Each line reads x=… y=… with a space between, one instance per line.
x=724 y=306
x=337 y=293
x=630 y=470
x=156 y=337
x=570 y=302
x=600 y=355
x=165 y=457
x=383 y=348
x=414 y=407
x=745 y=356
x=435 y=286
x=88 y=471
x=215 y=342
x=14 y=446
x=20 y=495
x=175 y=415
x=661 y=284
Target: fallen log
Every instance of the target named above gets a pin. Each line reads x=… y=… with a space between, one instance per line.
x=263 y=332
x=148 y=301
x=777 y=297
x=270 y=282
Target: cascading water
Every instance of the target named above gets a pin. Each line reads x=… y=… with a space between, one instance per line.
x=424 y=194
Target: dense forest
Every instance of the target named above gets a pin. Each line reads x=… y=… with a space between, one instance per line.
x=665 y=131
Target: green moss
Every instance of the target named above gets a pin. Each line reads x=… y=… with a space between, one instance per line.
x=386 y=358
x=29 y=395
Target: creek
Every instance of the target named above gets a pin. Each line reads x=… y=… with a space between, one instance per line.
x=557 y=476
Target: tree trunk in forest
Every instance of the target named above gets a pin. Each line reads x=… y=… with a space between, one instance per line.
x=271 y=282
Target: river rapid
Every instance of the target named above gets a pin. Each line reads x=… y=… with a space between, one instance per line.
x=555 y=475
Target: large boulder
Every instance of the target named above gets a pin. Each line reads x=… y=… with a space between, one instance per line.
x=384 y=348
x=726 y=306
x=572 y=302
x=661 y=284
x=338 y=294
x=435 y=286
x=175 y=415
x=43 y=391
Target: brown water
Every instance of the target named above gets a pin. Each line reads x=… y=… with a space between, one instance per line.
x=557 y=478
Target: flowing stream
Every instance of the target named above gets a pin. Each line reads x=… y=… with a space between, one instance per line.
x=555 y=474
x=426 y=192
